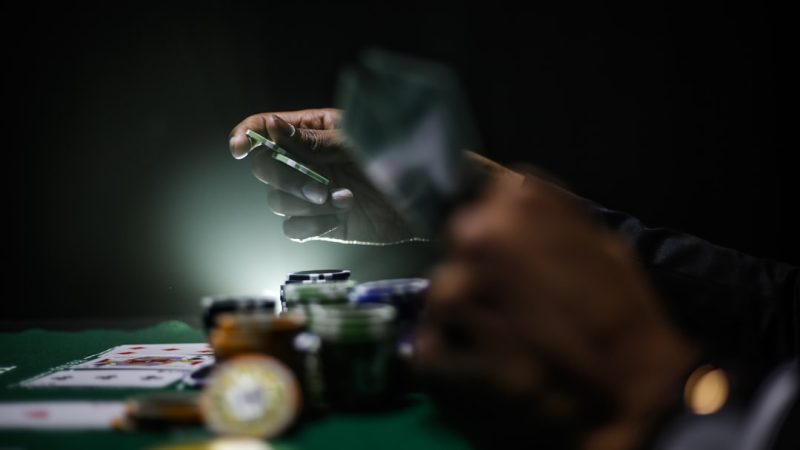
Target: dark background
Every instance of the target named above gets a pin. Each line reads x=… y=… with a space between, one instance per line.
x=123 y=200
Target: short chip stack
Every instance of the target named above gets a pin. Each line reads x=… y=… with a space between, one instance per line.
x=405 y=294
x=319 y=276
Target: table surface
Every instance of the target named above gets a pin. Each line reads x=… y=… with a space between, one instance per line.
x=36 y=351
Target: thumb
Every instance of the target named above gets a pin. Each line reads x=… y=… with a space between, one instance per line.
x=320 y=146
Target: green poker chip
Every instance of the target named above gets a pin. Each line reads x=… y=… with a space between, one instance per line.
x=352 y=323
x=257 y=140
x=331 y=292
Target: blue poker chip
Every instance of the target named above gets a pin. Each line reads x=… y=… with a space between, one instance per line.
x=395 y=291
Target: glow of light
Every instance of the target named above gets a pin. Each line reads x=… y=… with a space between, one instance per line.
x=706 y=390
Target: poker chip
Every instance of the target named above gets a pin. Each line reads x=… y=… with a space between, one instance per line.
x=390 y=291
x=252 y=395
x=215 y=305
x=164 y=408
x=279 y=154
x=319 y=275
x=240 y=333
x=300 y=168
x=348 y=323
x=330 y=292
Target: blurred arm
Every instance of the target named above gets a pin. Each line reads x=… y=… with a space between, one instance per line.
x=734 y=304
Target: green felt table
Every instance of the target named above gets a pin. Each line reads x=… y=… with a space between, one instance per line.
x=36 y=351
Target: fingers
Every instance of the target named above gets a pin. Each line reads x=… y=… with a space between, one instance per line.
x=282 y=177
x=284 y=204
x=316 y=119
x=304 y=228
x=317 y=145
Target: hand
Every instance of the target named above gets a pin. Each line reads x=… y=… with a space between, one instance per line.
x=537 y=303
x=349 y=210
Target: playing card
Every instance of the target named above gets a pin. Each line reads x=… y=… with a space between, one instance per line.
x=107 y=378
x=158 y=350
x=71 y=415
x=163 y=362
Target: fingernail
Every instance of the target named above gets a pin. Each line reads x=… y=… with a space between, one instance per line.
x=315 y=192
x=285 y=127
x=342 y=198
x=237 y=147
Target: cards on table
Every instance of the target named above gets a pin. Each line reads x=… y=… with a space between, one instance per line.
x=159 y=350
x=65 y=415
x=117 y=378
x=130 y=366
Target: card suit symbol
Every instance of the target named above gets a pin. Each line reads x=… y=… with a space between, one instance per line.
x=62 y=377
x=151 y=377
x=38 y=414
x=106 y=377
x=170 y=349
x=139 y=347
x=126 y=353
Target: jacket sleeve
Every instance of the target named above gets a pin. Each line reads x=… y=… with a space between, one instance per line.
x=735 y=305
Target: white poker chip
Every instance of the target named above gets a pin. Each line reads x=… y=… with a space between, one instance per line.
x=251 y=395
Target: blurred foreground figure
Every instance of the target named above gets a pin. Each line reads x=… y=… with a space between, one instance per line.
x=543 y=331
x=556 y=323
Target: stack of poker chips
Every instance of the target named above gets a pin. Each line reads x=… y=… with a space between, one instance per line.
x=356 y=354
x=258 y=332
x=300 y=297
x=245 y=335
x=405 y=294
x=338 y=340
x=313 y=277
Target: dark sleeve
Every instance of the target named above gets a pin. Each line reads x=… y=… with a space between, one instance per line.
x=737 y=306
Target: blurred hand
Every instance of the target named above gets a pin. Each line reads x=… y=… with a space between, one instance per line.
x=537 y=303
x=349 y=209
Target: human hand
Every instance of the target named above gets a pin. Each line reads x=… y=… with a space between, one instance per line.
x=348 y=210
x=537 y=303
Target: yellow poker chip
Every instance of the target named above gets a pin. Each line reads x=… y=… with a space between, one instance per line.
x=251 y=395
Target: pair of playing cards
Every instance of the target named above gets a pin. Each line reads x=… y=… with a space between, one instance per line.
x=130 y=366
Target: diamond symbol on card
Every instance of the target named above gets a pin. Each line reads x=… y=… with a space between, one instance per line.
x=38 y=414
x=151 y=378
x=126 y=353
x=62 y=377
x=170 y=349
x=137 y=348
x=106 y=377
